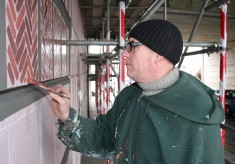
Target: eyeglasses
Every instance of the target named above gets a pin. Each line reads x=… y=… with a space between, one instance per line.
x=129 y=46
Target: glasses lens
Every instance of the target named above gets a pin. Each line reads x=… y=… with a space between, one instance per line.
x=128 y=47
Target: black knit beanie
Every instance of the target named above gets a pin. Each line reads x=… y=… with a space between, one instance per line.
x=161 y=36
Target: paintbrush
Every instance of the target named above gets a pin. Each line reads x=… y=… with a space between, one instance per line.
x=43 y=86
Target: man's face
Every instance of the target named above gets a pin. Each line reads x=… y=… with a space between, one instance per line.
x=138 y=61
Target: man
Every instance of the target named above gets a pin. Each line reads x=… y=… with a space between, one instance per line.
x=166 y=117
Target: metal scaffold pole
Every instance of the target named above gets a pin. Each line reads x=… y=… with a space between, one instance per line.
x=121 y=44
x=107 y=107
x=223 y=42
x=198 y=20
x=107 y=62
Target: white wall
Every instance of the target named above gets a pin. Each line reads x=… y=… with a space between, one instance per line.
x=28 y=136
x=211 y=68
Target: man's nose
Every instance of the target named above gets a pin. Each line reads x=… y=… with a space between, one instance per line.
x=125 y=54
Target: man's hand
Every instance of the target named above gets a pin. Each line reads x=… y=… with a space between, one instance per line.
x=60 y=105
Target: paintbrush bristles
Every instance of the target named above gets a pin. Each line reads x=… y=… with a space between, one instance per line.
x=35 y=82
x=32 y=81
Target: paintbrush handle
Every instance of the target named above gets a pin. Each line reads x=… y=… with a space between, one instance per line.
x=64 y=96
x=45 y=87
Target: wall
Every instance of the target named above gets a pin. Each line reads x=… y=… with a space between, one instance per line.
x=78 y=70
x=28 y=136
x=30 y=34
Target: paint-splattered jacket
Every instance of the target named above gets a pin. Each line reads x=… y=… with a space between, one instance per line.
x=177 y=126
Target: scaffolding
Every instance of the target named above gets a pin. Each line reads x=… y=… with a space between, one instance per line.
x=106 y=59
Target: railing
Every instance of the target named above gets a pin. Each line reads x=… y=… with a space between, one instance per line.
x=65 y=157
x=229 y=157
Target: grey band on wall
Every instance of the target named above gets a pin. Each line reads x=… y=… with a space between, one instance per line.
x=13 y=100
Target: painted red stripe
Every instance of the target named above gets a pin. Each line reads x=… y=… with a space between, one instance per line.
x=28 y=45
x=34 y=32
x=34 y=17
x=123 y=24
x=11 y=22
x=20 y=17
x=34 y=5
x=30 y=70
x=12 y=9
x=11 y=40
x=225 y=61
x=223 y=24
x=123 y=37
x=10 y=73
x=12 y=62
x=20 y=51
x=34 y=45
x=36 y=75
x=22 y=60
x=24 y=70
x=221 y=65
x=19 y=4
x=29 y=15
x=35 y=58
x=20 y=33
x=28 y=9
x=28 y=30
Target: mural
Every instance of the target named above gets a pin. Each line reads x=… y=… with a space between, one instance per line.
x=46 y=40
x=21 y=41
x=53 y=28
x=22 y=58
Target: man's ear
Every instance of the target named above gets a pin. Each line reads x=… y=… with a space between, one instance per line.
x=158 y=58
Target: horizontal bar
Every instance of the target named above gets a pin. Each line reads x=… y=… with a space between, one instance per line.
x=227 y=128
x=90 y=59
x=111 y=7
x=86 y=42
x=115 y=43
x=199 y=44
x=25 y=95
x=96 y=55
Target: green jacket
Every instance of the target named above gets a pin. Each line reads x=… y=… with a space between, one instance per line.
x=177 y=126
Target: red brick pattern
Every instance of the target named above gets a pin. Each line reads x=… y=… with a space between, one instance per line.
x=57 y=47
x=46 y=40
x=21 y=41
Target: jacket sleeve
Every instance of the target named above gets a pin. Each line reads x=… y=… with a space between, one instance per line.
x=93 y=137
x=90 y=137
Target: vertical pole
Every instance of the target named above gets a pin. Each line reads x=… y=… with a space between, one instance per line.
x=199 y=18
x=121 y=44
x=99 y=93
x=165 y=10
x=97 y=88
x=107 y=65
x=107 y=62
x=103 y=73
x=223 y=42
x=108 y=85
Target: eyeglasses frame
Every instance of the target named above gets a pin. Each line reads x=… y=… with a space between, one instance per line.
x=132 y=44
